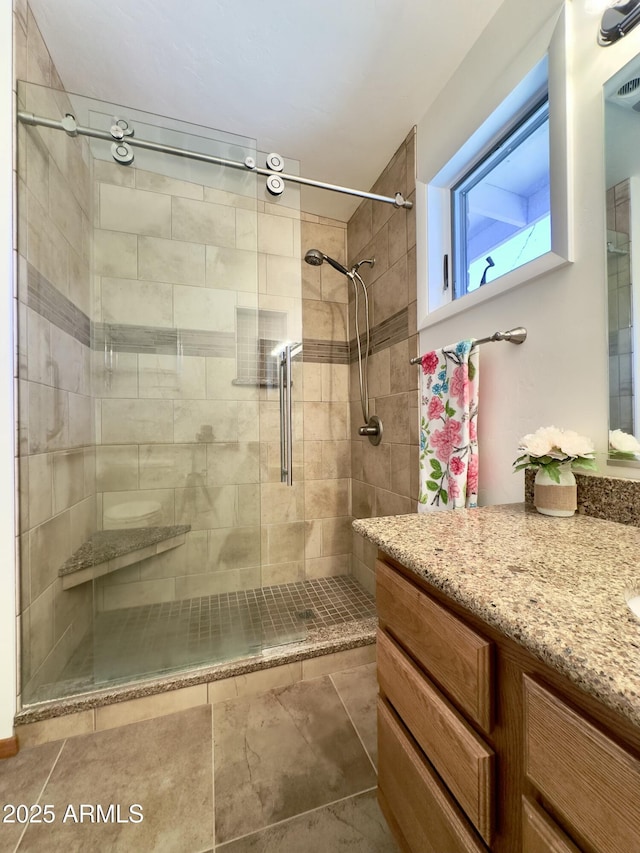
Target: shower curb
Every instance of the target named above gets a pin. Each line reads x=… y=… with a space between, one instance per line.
x=320 y=642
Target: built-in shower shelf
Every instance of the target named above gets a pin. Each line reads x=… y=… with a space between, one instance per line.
x=107 y=551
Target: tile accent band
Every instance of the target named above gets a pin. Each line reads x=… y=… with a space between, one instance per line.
x=333 y=352
x=391 y=331
x=122 y=337
x=54 y=306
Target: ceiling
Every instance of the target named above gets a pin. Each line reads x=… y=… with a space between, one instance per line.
x=335 y=84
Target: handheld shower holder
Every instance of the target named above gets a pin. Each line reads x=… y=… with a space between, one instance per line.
x=373 y=428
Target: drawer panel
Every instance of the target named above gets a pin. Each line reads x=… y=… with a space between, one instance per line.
x=459 y=755
x=458 y=658
x=540 y=834
x=590 y=780
x=427 y=816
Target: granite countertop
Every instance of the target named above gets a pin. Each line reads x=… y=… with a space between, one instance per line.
x=554 y=585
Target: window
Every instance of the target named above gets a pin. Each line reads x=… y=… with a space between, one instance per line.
x=494 y=163
x=501 y=208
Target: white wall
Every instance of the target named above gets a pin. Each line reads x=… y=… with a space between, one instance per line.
x=7 y=511
x=559 y=376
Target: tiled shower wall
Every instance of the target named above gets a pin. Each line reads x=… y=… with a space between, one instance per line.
x=327 y=457
x=620 y=308
x=385 y=478
x=174 y=261
x=175 y=429
x=56 y=454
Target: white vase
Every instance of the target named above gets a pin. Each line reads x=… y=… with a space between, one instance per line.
x=551 y=498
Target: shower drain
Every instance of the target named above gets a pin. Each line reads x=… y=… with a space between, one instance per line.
x=306 y=614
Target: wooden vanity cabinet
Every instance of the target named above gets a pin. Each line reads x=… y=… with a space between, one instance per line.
x=430 y=632
x=483 y=747
x=460 y=757
x=415 y=801
x=540 y=834
x=583 y=773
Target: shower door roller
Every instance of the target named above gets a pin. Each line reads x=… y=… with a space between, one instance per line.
x=275 y=162
x=120 y=128
x=122 y=153
x=286 y=412
x=275 y=185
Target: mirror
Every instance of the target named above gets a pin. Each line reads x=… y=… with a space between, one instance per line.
x=622 y=170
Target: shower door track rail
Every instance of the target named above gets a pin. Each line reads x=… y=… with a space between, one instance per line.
x=73 y=129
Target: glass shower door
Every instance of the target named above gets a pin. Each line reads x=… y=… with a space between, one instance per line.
x=176 y=280
x=156 y=291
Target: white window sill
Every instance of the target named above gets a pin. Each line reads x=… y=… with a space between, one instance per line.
x=521 y=275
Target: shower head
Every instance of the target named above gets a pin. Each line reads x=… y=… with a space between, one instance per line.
x=315 y=257
x=369 y=261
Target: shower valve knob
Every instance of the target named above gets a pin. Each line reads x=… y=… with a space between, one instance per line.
x=372 y=430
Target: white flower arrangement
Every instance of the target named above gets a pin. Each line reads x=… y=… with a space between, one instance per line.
x=622 y=445
x=550 y=447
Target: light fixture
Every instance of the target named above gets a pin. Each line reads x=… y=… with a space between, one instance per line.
x=617 y=21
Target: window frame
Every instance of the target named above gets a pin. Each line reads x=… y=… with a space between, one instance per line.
x=507 y=141
x=441 y=166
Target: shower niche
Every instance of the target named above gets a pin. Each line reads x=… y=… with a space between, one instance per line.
x=156 y=289
x=260 y=336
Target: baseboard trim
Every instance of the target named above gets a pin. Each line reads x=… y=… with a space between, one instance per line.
x=9 y=747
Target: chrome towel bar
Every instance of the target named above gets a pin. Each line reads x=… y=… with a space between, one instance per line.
x=513 y=336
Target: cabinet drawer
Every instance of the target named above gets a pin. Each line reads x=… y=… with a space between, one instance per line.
x=427 y=816
x=462 y=759
x=540 y=834
x=458 y=659
x=590 y=780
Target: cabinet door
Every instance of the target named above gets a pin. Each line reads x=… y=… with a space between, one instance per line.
x=460 y=756
x=540 y=834
x=589 y=780
x=457 y=657
x=425 y=812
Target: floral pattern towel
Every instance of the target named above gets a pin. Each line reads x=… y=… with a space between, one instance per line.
x=448 y=433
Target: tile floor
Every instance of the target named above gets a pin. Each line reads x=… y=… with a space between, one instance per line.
x=288 y=771
x=160 y=638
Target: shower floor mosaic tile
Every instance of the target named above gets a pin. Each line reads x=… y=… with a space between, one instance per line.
x=158 y=638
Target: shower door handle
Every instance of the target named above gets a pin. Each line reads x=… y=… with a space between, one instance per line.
x=286 y=412
x=284 y=374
